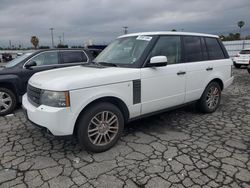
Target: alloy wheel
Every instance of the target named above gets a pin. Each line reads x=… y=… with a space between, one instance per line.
x=5 y=101
x=103 y=128
x=213 y=96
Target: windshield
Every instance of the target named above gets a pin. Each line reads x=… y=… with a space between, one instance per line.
x=17 y=60
x=127 y=50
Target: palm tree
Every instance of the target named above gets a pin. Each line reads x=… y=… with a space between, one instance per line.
x=35 y=41
x=240 y=25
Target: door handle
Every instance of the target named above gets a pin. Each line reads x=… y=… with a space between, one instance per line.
x=209 y=68
x=181 y=73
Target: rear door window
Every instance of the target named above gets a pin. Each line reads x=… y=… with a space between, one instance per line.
x=73 y=56
x=193 y=48
x=214 y=49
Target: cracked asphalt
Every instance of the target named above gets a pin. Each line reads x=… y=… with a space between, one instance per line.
x=181 y=148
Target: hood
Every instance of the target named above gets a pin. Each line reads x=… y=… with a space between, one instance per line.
x=78 y=77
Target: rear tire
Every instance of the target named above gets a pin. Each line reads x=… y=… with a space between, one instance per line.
x=248 y=71
x=210 y=98
x=8 y=101
x=99 y=127
x=237 y=66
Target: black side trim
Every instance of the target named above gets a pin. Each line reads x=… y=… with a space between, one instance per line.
x=161 y=111
x=136 y=91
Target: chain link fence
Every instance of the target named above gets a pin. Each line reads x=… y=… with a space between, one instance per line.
x=233 y=47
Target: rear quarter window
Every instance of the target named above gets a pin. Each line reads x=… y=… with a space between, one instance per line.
x=214 y=49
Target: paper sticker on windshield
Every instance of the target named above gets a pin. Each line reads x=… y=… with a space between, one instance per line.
x=141 y=37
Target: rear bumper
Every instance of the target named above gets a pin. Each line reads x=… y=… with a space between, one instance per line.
x=228 y=82
x=241 y=62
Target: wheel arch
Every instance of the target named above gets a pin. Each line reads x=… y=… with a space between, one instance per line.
x=10 y=86
x=113 y=100
x=219 y=81
x=11 y=82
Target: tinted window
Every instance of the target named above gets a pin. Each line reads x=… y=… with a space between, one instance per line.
x=73 y=57
x=214 y=49
x=169 y=46
x=204 y=49
x=46 y=58
x=245 y=52
x=193 y=50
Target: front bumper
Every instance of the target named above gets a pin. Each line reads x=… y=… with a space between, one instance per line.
x=59 y=121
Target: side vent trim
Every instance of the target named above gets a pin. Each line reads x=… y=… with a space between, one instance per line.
x=136 y=91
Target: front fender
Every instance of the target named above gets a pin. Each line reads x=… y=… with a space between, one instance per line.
x=79 y=99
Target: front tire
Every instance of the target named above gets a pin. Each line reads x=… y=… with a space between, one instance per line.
x=8 y=101
x=99 y=127
x=210 y=98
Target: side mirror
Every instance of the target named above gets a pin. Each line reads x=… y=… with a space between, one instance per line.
x=30 y=64
x=158 y=61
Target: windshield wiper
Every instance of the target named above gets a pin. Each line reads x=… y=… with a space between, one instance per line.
x=108 y=64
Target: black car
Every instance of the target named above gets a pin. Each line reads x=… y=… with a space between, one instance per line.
x=14 y=75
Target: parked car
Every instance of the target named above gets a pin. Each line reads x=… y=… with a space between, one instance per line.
x=242 y=58
x=137 y=75
x=94 y=52
x=15 y=75
x=6 y=57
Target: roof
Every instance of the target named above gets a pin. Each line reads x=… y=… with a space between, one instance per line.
x=169 y=33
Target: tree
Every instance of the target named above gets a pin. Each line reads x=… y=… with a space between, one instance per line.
x=240 y=25
x=35 y=41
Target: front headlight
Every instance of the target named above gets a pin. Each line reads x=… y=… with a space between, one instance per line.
x=55 y=98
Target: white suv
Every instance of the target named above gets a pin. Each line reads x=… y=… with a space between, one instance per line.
x=242 y=58
x=135 y=76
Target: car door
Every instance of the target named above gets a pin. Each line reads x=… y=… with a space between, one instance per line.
x=198 y=66
x=44 y=61
x=164 y=87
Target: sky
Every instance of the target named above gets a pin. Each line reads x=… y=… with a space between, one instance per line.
x=101 y=21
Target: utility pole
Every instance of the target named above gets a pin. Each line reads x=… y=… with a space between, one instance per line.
x=60 y=39
x=125 y=30
x=52 y=37
x=63 y=38
x=10 y=43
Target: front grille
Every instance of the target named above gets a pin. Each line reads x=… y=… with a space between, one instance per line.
x=34 y=95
